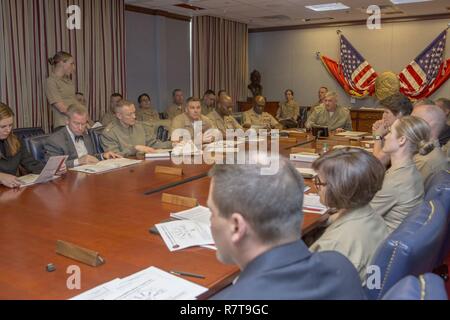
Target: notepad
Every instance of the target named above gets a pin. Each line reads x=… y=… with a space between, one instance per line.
x=304 y=157
x=312 y=204
x=159 y=153
x=198 y=214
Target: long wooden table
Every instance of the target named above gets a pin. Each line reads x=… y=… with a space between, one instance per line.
x=108 y=213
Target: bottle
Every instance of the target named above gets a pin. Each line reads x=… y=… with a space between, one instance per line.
x=325 y=148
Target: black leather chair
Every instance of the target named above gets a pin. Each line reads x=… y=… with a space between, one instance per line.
x=162 y=134
x=37 y=147
x=95 y=135
x=23 y=133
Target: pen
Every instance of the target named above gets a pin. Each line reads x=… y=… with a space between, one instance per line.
x=187 y=274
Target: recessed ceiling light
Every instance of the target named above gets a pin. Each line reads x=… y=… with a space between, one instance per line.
x=408 y=1
x=328 y=6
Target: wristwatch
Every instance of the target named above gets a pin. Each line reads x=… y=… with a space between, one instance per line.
x=377 y=137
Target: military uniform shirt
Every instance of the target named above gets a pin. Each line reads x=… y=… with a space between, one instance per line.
x=227 y=122
x=253 y=119
x=321 y=117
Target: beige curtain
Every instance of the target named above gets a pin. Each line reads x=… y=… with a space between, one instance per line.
x=220 y=56
x=33 y=30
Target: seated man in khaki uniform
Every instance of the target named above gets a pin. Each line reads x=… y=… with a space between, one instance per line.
x=257 y=116
x=177 y=106
x=110 y=115
x=127 y=136
x=146 y=112
x=208 y=102
x=191 y=118
x=330 y=115
x=222 y=118
x=436 y=160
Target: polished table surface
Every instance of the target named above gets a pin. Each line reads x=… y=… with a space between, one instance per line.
x=108 y=213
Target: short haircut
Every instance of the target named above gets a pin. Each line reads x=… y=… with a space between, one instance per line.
x=331 y=94
x=192 y=99
x=445 y=103
x=121 y=104
x=433 y=115
x=271 y=204
x=323 y=88
x=76 y=109
x=115 y=95
x=353 y=177
x=143 y=95
x=397 y=104
x=174 y=92
x=208 y=92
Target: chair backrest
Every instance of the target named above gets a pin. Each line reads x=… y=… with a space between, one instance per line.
x=162 y=133
x=411 y=249
x=438 y=187
x=425 y=287
x=23 y=133
x=37 y=146
x=95 y=134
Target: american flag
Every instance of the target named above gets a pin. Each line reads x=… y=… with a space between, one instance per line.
x=420 y=74
x=358 y=73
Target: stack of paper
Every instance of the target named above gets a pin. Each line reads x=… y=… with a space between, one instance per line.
x=307 y=173
x=148 y=284
x=351 y=134
x=159 y=153
x=311 y=204
x=106 y=165
x=53 y=165
x=304 y=157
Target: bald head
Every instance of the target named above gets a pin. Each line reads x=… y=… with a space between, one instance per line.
x=434 y=116
x=225 y=106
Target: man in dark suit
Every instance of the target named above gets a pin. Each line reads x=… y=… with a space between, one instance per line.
x=74 y=141
x=257 y=226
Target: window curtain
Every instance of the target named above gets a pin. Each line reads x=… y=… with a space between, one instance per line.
x=31 y=31
x=220 y=56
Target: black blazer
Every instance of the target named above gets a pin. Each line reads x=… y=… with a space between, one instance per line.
x=10 y=164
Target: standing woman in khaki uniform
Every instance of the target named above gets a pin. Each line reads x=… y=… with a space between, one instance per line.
x=60 y=89
x=403 y=184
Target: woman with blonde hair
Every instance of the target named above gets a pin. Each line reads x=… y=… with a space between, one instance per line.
x=60 y=88
x=13 y=153
x=403 y=187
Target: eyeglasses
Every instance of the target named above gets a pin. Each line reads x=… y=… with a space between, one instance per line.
x=318 y=183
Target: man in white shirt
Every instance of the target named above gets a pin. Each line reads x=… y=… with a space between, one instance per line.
x=74 y=141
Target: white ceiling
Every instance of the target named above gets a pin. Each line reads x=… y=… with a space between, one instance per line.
x=273 y=13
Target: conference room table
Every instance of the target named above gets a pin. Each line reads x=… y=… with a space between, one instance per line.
x=111 y=214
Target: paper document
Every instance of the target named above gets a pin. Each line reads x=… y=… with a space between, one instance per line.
x=307 y=172
x=184 y=234
x=198 y=214
x=159 y=153
x=148 y=284
x=98 y=293
x=53 y=165
x=311 y=204
x=106 y=165
x=351 y=134
x=304 y=157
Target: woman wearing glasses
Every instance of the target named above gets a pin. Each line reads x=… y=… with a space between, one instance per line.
x=347 y=181
x=403 y=184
